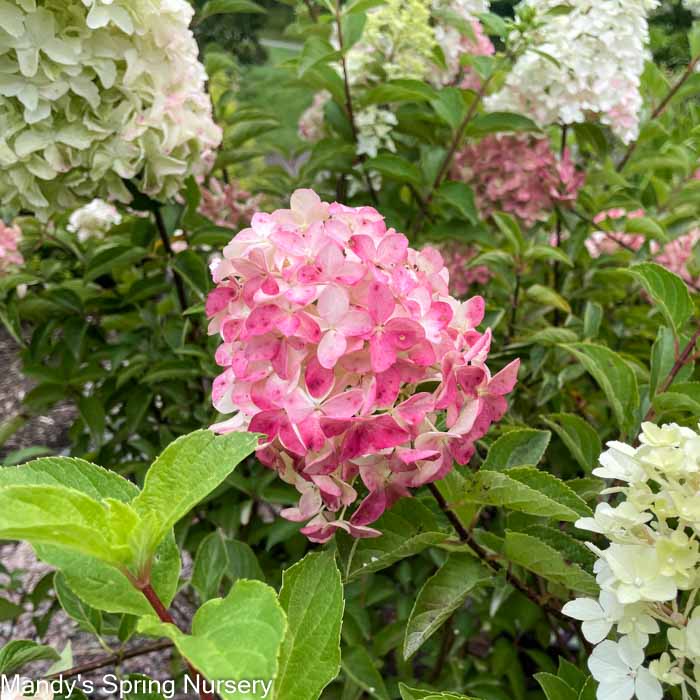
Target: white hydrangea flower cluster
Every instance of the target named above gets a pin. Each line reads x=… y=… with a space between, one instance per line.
x=692 y=6
x=95 y=92
x=94 y=219
x=599 y=47
x=649 y=575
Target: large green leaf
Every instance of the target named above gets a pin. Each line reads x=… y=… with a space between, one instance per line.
x=668 y=291
x=236 y=637
x=416 y=694
x=56 y=515
x=517 y=447
x=312 y=597
x=683 y=397
x=219 y=7
x=555 y=688
x=578 y=436
x=408 y=528
x=528 y=490
x=440 y=596
x=362 y=669
x=615 y=377
x=533 y=555
x=187 y=471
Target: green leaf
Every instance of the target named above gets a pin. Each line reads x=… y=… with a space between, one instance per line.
x=312 y=597
x=440 y=596
x=494 y=122
x=663 y=357
x=450 y=107
x=555 y=688
x=20 y=652
x=87 y=617
x=105 y=588
x=668 y=291
x=546 y=252
x=647 y=227
x=416 y=694
x=399 y=91
x=236 y=637
x=93 y=414
x=461 y=197
x=683 y=397
x=242 y=562
x=510 y=228
x=517 y=447
x=408 y=528
x=546 y=296
x=219 y=7
x=362 y=669
x=543 y=560
x=615 y=377
x=112 y=259
x=193 y=270
x=395 y=168
x=578 y=436
x=527 y=490
x=9 y=610
x=353 y=25
x=187 y=471
x=57 y=515
x=210 y=565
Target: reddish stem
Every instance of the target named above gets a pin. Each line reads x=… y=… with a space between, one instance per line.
x=165 y=616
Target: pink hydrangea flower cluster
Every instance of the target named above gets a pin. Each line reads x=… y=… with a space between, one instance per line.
x=227 y=204
x=457 y=257
x=344 y=348
x=518 y=174
x=10 y=257
x=674 y=256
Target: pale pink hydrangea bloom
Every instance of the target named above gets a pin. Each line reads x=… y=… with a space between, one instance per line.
x=10 y=257
x=344 y=348
x=674 y=256
x=454 y=46
x=227 y=204
x=517 y=174
x=457 y=257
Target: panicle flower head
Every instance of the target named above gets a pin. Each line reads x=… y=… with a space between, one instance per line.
x=675 y=255
x=10 y=257
x=517 y=174
x=227 y=204
x=96 y=92
x=94 y=219
x=599 y=49
x=649 y=574
x=344 y=348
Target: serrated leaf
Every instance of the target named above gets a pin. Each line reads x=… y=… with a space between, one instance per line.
x=440 y=596
x=187 y=471
x=461 y=197
x=312 y=598
x=517 y=447
x=236 y=637
x=408 y=528
x=683 y=397
x=578 y=436
x=543 y=560
x=18 y=653
x=527 y=490
x=615 y=378
x=88 y=618
x=668 y=291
